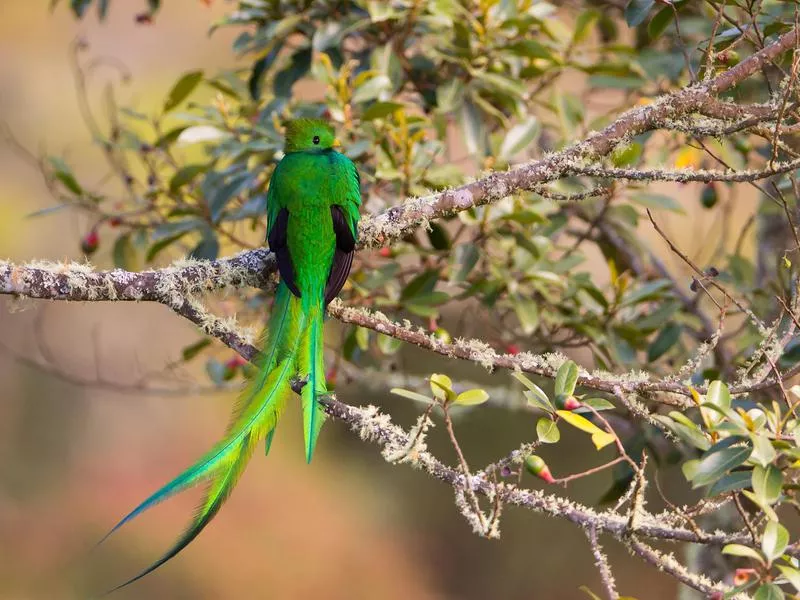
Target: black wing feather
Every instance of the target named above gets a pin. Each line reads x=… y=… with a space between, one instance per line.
x=278 y=245
x=343 y=255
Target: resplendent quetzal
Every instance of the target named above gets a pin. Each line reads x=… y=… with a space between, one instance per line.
x=312 y=219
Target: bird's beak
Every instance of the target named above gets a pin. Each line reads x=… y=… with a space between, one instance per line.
x=337 y=143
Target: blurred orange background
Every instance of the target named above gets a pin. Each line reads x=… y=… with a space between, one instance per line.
x=75 y=458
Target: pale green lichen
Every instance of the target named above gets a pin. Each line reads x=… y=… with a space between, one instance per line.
x=414 y=449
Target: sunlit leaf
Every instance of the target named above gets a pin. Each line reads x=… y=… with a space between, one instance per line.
x=442 y=387
x=547 y=431
x=774 y=541
x=600 y=438
x=471 y=397
x=743 y=551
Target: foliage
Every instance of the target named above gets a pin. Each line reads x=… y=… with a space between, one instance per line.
x=548 y=269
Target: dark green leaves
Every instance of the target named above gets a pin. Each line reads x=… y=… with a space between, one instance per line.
x=665 y=339
x=208 y=248
x=637 y=10
x=64 y=174
x=182 y=89
x=715 y=463
x=189 y=352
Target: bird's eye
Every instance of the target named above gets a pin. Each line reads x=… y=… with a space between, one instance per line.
x=316 y=139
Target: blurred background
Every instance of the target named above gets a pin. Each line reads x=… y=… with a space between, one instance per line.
x=77 y=454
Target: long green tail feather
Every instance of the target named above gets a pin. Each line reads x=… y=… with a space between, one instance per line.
x=311 y=366
x=254 y=418
x=218 y=492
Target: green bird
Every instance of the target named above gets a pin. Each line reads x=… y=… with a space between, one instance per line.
x=312 y=219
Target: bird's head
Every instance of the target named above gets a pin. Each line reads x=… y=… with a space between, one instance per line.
x=303 y=135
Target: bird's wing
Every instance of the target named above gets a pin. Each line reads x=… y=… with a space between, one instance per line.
x=278 y=244
x=343 y=254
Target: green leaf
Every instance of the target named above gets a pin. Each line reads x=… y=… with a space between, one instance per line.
x=527 y=311
x=184 y=175
x=102 y=9
x=689 y=468
x=530 y=49
x=225 y=193
x=471 y=397
x=372 y=88
x=774 y=541
x=207 y=249
x=410 y=395
x=298 y=67
x=388 y=345
x=63 y=173
x=743 y=551
x=421 y=284
x=442 y=387
x=192 y=350
x=79 y=7
x=660 y=22
x=731 y=482
x=583 y=24
x=769 y=591
x=768 y=510
x=687 y=431
x=637 y=10
x=654 y=290
x=534 y=394
x=714 y=464
x=518 y=138
x=718 y=395
x=465 y=258
x=474 y=129
x=182 y=88
x=763 y=451
x=599 y=404
x=362 y=338
x=438 y=237
x=665 y=340
x=450 y=95
x=626 y=155
x=547 y=430
x=379 y=110
x=566 y=378
x=792 y=575
x=124 y=253
x=48 y=210
x=170 y=137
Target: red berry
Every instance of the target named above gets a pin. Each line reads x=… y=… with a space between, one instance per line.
x=330 y=376
x=385 y=252
x=512 y=349
x=567 y=402
x=235 y=362
x=742 y=576
x=90 y=242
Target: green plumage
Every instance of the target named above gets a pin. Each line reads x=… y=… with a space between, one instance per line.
x=312 y=218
